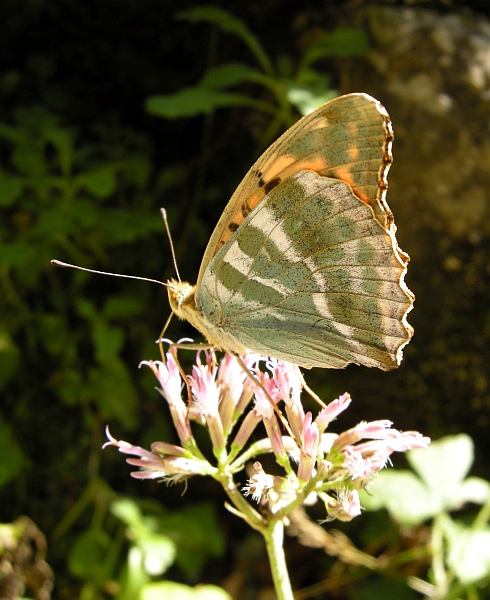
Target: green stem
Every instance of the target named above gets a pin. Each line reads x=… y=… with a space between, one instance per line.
x=274 y=536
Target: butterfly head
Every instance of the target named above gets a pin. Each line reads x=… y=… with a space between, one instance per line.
x=181 y=296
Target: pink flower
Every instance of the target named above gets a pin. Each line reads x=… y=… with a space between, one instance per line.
x=259 y=484
x=205 y=390
x=154 y=466
x=331 y=411
x=309 y=441
x=345 y=507
x=170 y=380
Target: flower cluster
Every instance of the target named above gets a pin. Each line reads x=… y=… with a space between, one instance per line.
x=231 y=399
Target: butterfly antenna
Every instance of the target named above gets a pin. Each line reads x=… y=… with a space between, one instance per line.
x=163 y=212
x=58 y=263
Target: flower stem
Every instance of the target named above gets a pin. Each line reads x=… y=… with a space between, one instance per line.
x=274 y=537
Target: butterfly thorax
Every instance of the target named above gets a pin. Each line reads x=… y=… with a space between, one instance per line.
x=182 y=298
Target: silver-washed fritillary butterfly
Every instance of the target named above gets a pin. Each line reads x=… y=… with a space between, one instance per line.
x=304 y=264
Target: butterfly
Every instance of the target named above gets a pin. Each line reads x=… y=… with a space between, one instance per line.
x=303 y=264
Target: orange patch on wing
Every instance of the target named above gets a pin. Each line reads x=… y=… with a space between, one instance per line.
x=353 y=152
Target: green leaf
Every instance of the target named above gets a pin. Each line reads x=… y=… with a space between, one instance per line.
x=158 y=553
x=108 y=340
x=443 y=466
x=87 y=558
x=127 y=511
x=227 y=75
x=382 y=589
x=227 y=22
x=112 y=390
x=118 y=307
x=30 y=160
x=190 y=102
x=13 y=459
x=17 y=254
x=469 y=552
x=11 y=188
x=171 y=590
x=157 y=550
x=405 y=497
x=307 y=100
x=343 y=41
x=100 y=182
x=121 y=226
x=197 y=533
x=9 y=357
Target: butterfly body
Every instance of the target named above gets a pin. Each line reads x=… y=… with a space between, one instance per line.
x=304 y=264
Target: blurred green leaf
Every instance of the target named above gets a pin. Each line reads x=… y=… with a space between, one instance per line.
x=307 y=100
x=108 y=340
x=383 y=589
x=197 y=533
x=112 y=391
x=469 y=551
x=190 y=102
x=118 y=307
x=30 y=160
x=88 y=556
x=402 y=494
x=171 y=590
x=100 y=182
x=9 y=357
x=17 y=254
x=343 y=41
x=13 y=459
x=228 y=75
x=441 y=486
x=11 y=188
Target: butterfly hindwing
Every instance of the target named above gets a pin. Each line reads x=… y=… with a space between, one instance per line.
x=310 y=277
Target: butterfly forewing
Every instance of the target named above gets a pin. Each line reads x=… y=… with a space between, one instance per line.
x=348 y=138
x=311 y=277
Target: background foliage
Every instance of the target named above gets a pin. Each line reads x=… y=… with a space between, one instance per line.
x=109 y=110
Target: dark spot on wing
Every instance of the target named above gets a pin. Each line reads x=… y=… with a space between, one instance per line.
x=245 y=209
x=270 y=185
x=232 y=226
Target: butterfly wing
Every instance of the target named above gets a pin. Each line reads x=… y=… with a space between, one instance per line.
x=348 y=138
x=311 y=277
